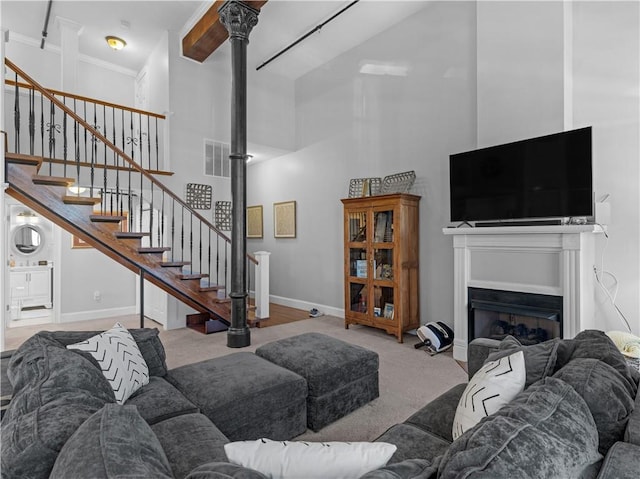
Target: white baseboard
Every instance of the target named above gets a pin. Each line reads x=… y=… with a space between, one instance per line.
x=299 y=304
x=97 y=314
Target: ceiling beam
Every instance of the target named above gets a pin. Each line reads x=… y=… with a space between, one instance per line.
x=208 y=33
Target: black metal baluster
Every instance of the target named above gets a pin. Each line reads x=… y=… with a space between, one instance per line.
x=173 y=228
x=42 y=125
x=76 y=136
x=161 y=224
x=16 y=117
x=191 y=239
x=84 y=117
x=104 y=173
x=226 y=266
x=157 y=148
x=131 y=138
x=124 y=163
x=200 y=248
x=122 y=127
x=94 y=151
x=209 y=257
x=140 y=139
x=130 y=207
x=32 y=121
x=218 y=259
x=149 y=139
x=115 y=158
x=182 y=236
x=65 y=141
x=52 y=133
x=151 y=218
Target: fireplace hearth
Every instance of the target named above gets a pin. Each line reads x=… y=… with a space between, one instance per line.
x=530 y=318
x=555 y=260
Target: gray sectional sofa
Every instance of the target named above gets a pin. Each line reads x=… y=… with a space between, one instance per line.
x=579 y=416
x=62 y=421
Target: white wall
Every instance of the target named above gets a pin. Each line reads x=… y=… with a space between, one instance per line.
x=352 y=125
x=87 y=271
x=520 y=70
x=41 y=65
x=580 y=69
x=606 y=94
x=200 y=104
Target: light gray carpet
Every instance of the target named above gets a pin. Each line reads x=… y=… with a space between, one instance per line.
x=409 y=378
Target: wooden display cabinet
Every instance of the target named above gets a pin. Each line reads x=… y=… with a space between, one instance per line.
x=381 y=262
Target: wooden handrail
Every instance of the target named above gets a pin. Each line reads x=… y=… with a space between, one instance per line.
x=87 y=99
x=117 y=150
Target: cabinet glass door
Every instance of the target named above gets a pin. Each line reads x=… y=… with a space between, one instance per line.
x=383 y=302
x=358 y=302
x=357 y=226
x=358 y=263
x=383 y=226
x=383 y=261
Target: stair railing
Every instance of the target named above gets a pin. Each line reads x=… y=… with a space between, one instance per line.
x=125 y=187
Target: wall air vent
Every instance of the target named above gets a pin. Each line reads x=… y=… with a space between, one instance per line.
x=216 y=159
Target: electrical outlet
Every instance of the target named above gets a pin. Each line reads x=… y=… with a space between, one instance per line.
x=97 y=296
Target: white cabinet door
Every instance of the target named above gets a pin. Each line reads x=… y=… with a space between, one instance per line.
x=40 y=288
x=19 y=286
x=31 y=288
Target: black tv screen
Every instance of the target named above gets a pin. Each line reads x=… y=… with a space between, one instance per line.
x=545 y=177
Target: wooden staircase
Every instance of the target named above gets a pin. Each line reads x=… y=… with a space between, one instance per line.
x=48 y=195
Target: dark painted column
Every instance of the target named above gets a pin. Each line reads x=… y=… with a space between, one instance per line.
x=238 y=19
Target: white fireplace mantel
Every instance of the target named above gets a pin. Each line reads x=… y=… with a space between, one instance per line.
x=554 y=260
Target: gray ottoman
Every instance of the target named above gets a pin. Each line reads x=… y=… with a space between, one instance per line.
x=341 y=377
x=245 y=396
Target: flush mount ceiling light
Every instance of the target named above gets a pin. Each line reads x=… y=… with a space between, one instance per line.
x=76 y=190
x=115 y=42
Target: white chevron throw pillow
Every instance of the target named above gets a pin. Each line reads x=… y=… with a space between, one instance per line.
x=120 y=360
x=494 y=385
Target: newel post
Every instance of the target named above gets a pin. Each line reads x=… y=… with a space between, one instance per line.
x=262 y=284
x=238 y=18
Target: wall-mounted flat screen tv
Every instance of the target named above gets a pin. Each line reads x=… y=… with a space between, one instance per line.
x=545 y=177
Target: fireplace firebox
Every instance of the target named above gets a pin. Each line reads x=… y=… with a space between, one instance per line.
x=531 y=318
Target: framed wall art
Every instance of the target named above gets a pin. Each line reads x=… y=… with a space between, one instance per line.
x=284 y=219
x=199 y=196
x=223 y=215
x=254 y=221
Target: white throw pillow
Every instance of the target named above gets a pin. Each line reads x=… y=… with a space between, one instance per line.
x=309 y=460
x=120 y=360
x=494 y=385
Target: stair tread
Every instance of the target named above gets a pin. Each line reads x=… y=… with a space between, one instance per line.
x=174 y=264
x=131 y=234
x=81 y=200
x=191 y=276
x=53 y=180
x=153 y=249
x=107 y=218
x=204 y=289
x=22 y=159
